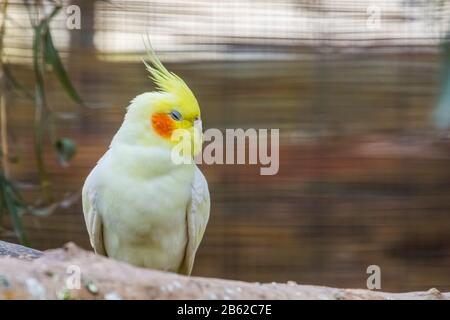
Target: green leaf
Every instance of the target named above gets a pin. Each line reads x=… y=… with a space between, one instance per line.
x=441 y=112
x=14 y=203
x=14 y=212
x=66 y=149
x=52 y=57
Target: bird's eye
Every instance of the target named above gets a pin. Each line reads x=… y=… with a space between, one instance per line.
x=176 y=115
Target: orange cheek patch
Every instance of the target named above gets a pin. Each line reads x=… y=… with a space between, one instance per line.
x=163 y=124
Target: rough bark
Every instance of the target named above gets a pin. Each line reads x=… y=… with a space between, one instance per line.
x=53 y=275
x=18 y=251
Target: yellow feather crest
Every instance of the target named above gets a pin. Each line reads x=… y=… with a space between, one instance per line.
x=165 y=80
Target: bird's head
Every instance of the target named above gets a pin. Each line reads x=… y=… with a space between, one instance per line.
x=168 y=115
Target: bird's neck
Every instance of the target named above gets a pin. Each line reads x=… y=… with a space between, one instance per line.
x=146 y=161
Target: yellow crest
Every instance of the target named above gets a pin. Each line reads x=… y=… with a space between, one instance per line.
x=165 y=80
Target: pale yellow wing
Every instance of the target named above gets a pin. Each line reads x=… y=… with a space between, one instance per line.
x=93 y=218
x=197 y=218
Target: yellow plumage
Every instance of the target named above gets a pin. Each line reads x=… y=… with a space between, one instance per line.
x=167 y=81
x=140 y=206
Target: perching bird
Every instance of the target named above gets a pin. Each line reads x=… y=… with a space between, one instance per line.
x=139 y=205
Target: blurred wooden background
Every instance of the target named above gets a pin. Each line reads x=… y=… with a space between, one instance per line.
x=364 y=177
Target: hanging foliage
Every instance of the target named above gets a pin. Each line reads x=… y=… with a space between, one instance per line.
x=44 y=54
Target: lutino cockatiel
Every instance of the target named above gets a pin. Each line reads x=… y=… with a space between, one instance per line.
x=139 y=205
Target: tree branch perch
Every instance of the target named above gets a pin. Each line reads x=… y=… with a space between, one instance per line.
x=52 y=274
